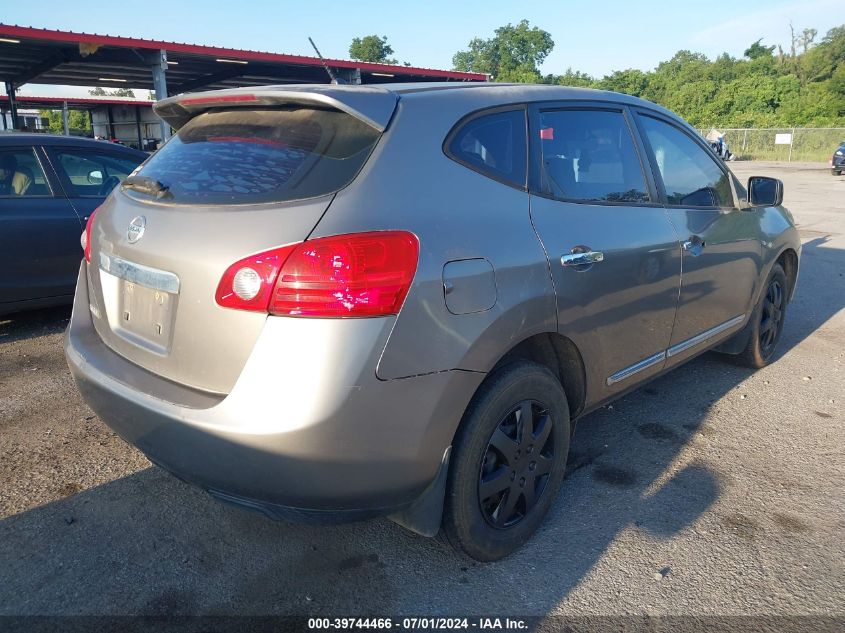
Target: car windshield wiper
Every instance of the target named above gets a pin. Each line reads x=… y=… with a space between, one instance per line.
x=149 y=186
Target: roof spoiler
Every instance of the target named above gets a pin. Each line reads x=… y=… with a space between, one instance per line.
x=370 y=104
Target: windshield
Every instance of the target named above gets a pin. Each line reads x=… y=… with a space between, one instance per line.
x=238 y=156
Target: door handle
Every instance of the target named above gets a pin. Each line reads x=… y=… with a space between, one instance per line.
x=586 y=258
x=694 y=245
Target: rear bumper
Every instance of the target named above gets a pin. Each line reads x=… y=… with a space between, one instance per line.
x=308 y=431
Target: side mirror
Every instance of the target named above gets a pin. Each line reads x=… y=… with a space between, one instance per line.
x=764 y=191
x=95 y=177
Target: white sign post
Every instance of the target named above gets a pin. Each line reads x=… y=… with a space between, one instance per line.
x=786 y=139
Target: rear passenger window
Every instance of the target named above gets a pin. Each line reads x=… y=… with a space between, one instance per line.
x=690 y=175
x=589 y=156
x=494 y=145
x=21 y=175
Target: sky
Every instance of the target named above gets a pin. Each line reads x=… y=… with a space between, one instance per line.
x=595 y=37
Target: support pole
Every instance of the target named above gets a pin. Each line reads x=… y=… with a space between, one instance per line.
x=110 y=127
x=138 y=125
x=791 y=143
x=3 y=116
x=65 y=123
x=13 y=104
x=160 y=84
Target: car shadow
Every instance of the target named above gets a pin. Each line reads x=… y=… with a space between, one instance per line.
x=150 y=544
x=24 y=325
x=822 y=268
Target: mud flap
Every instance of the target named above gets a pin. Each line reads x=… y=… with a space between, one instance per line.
x=424 y=515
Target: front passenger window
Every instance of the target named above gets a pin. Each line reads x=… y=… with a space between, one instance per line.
x=93 y=175
x=690 y=176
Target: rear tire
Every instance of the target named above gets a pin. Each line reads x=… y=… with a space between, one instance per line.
x=508 y=461
x=767 y=321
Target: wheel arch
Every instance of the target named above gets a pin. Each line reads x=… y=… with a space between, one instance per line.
x=559 y=354
x=788 y=260
x=550 y=349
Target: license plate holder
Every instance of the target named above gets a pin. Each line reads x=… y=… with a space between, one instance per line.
x=146 y=315
x=143 y=302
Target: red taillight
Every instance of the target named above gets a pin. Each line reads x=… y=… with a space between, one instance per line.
x=248 y=284
x=356 y=275
x=85 y=240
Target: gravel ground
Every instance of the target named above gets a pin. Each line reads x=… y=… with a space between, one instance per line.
x=712 y=490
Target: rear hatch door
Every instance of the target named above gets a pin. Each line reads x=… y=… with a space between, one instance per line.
x=234 y=181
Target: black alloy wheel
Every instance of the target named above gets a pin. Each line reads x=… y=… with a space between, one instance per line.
x=516 y=465
x=765 y=325
x=508 y=461
x=771 y=318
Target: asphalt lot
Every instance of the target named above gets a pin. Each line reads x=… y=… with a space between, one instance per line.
x=713 y=490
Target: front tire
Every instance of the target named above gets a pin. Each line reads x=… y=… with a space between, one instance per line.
x=767 y=321
x=508 y=461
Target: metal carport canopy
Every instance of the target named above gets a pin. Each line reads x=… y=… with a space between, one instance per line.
x=76 y=103
x=42 y=56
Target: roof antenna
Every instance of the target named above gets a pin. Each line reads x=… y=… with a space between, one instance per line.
x=332 y=76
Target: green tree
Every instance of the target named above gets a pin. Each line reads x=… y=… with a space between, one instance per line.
x=371 y=48
x=514 y=53
x=821 y=61
x=631 y=82
x=54 y=118
x=802 y=86
x=117 y=92
x=837 y=88
x=78 y=120
x=757 y=50
x=571 y=78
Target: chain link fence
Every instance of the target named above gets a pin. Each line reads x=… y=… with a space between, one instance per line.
x=786 y=144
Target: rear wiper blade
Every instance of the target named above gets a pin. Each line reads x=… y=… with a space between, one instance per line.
x=149 y=186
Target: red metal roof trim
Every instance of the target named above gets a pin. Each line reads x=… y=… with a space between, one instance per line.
x=22 y=99
x=27 y=32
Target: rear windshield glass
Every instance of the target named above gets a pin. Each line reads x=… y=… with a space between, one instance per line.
x=239 y=156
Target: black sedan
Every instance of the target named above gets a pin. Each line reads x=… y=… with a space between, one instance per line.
x=49 y=185
x=837 y=161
